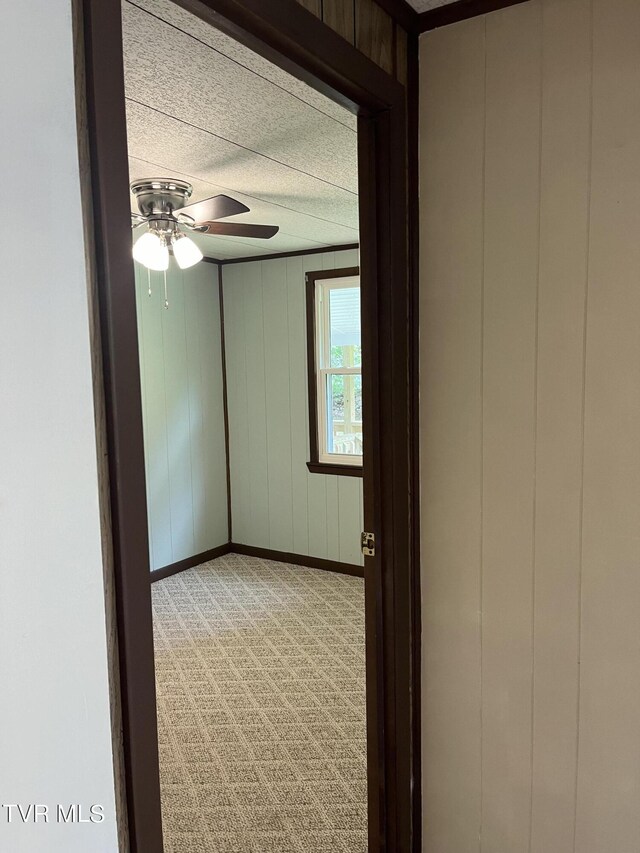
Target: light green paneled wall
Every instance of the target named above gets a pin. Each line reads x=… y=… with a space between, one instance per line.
x=183 y=416
x=275 y=502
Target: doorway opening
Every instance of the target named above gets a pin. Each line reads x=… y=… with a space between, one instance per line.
x=286 y=35
x=258 y=591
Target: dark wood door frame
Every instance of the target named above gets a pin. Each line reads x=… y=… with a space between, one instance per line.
x=294 y=39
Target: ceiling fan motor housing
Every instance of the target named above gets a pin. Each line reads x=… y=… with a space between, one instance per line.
x=163 y=206
x=160 y=197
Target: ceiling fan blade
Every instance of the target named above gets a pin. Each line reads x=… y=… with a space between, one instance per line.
x=216 y=207
x=239 y=229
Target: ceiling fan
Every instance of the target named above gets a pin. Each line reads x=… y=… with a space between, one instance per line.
x=163 y=208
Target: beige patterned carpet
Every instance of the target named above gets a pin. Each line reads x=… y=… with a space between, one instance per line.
x=261 y=708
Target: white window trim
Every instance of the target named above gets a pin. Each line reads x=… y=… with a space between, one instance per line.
x=323 y=356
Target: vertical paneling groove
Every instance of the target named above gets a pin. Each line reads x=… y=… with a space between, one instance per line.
x=298 y=406
x=278 y=403
x=369 y=27
x=509 y=367
x=194 y=400
x=340 y=16
x=154 y=419
x=608 y=781
x=177 y=400
x=143 y=381
x=180 y=364
x=374 y=33
x=349 y=489
x=564 y=214
x=276 y=502
x=401 y=54
x=225 y=396
x=559 y=478
x=212 y=437
x=258 y=510
x=452 y=127
x=314 y=6
x=235 y=336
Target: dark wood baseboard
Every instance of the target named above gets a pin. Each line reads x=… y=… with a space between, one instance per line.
x=460 y=11
x=298 y=560
x=264 y=553
x=190 y=562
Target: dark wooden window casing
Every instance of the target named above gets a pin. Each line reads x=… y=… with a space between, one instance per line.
x=314 y=464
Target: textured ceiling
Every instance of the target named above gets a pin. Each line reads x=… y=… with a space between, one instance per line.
x=206 y=109
x=426 y=5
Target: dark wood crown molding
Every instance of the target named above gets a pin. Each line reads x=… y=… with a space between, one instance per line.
x=295 y=254
x=459 y=11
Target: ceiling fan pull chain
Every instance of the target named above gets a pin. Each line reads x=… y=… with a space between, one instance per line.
x=166 y=298
x=149 y=280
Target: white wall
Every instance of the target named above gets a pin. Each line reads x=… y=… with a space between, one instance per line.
x=530 y=423
x=55 y=743
x=275 y=502
x=183 y=412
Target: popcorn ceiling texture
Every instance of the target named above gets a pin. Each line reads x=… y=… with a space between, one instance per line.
x=202 y=107
x=260 y=671
x=170 y=13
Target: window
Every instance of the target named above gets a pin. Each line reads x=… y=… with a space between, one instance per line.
x=335 y=371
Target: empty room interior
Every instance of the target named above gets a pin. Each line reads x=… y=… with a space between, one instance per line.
x=254 y=486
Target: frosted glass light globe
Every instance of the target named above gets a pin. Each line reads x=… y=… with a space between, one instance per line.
x=186 y=252
x=150 y=251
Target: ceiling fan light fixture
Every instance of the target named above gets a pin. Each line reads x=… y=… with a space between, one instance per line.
x=162 y=205
x=151 y=251
x=185 y=251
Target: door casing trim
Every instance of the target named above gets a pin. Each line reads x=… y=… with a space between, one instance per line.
x=293 y=38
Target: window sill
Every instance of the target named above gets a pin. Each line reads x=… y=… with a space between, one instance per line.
x=339 y=470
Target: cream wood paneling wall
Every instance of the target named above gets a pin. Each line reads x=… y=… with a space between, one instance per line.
x=530 y=417
x=275 y=502
x=183 y=414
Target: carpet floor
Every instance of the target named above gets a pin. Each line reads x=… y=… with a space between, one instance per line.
x=260 y=670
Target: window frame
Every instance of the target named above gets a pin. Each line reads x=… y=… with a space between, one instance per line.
x=316 y=375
